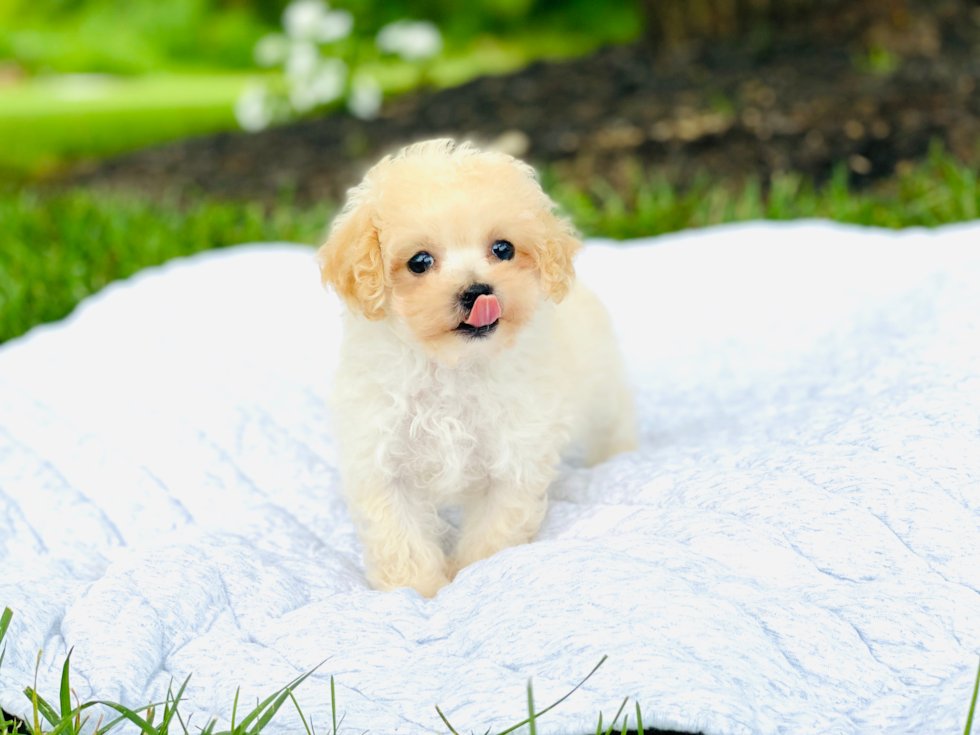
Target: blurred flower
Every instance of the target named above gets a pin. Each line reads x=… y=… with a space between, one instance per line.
x=303 y=60
x=312 y=20
x=323 y=86
x=312 y=79
x=365 y=97
x=413 y=40
x=254 y=109
x=300 y=18
x=333 y=26
x=271 y=50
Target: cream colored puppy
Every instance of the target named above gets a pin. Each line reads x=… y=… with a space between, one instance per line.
x=471 y=359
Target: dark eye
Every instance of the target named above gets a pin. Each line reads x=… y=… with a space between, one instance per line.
x=420 y=262
x=503 y=250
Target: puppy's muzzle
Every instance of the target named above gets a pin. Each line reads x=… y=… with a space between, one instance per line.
x=483 y=310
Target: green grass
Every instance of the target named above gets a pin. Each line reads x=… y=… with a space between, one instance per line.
x=939 y=191
x=57 y=249
x=64 y=719
x=61 y=718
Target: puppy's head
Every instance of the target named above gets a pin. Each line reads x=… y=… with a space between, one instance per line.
x=456 y=246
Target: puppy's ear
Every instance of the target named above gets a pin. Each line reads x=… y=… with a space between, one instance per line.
x=351 y=262
x=555 y=256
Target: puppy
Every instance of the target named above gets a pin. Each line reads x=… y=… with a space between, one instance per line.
x=471 y=359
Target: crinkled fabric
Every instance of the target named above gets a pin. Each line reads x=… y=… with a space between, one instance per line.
x=795 y=548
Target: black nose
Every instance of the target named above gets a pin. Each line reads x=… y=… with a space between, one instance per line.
x=468 y=297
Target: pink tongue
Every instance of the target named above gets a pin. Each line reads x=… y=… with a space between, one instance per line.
x=485 y=311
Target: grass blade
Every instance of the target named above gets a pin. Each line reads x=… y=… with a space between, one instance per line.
x=618 y=713
x=147 y=728
x=555 y=704
x=259 y=708
x=270 y=712
x=65 y=687
x=5 y=621
x=451 y=728
x=66 y=722
x=34 y=697
x=333 y=706
x=40 y=705
x=170 y=707
x=234 y=709
x=301 y=715
x=639 y=720
x=530 y=709
x=598 y=730
x=275 y=700
x=973 y=704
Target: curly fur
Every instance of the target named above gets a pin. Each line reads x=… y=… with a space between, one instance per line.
x=427 y=417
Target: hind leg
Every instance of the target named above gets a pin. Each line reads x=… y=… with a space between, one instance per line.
x=615 y=432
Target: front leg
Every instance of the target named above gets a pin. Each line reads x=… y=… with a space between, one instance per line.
x=509 y=514
x=400 y=536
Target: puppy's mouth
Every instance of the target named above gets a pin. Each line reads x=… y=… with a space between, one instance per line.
x=477 y=332
x=483 y=318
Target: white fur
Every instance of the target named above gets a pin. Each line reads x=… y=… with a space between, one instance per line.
x=417 y=435
x=433 y=418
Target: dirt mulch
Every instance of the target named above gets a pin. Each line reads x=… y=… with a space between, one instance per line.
x=723 y=108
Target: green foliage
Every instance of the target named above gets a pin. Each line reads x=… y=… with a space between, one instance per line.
x=139 y=36
x=122 y=37
x=52 y=122
x=938 y=192
x=533 y=716
x=68 y=720
x=973 y=705
x=56 y=250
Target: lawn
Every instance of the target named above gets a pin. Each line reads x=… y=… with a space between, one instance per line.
x=56 y=249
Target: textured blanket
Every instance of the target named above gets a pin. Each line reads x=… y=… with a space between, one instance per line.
x=794 y=549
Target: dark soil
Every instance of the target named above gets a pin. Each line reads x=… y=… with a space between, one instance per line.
x=724 y=108
x=20 y=726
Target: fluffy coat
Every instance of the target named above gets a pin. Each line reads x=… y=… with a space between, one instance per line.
x=429 y=416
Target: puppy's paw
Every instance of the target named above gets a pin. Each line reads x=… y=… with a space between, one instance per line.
x=425 y=585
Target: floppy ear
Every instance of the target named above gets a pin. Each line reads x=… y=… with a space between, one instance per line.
x=351 y=262
x=555 y=256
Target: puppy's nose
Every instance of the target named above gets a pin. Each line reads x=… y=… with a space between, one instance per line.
x=468 y=297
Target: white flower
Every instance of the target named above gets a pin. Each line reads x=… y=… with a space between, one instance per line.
x=304 y=57
x=272 y=49
x=254 y=108
x=364 y=100
x=412 y=40
x=312 y=20
x=301 y=18
x=334 y=26
x=324 y=85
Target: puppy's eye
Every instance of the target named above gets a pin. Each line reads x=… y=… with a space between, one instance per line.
x=420 y=262
x=503 y=250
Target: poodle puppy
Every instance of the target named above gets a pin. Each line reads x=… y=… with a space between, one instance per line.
x=471 y=359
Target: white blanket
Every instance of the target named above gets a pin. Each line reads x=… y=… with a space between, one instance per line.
x=795 y=548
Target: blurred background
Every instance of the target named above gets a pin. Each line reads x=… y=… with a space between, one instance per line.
x=133 y=131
